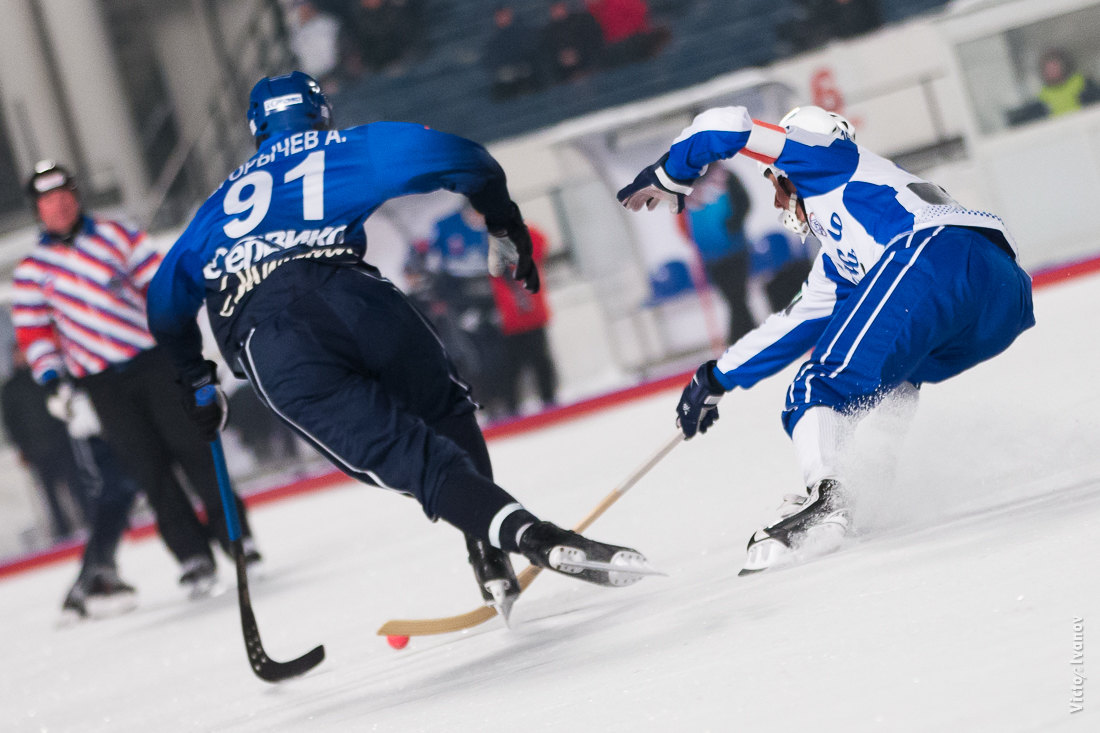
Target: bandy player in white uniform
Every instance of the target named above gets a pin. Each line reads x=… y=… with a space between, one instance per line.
x=908 y=287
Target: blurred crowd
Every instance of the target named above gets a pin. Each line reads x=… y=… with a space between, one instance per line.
x=525 y=47
x=815 y=22
x=343 y=39
x=339 y=41
x=572 y=41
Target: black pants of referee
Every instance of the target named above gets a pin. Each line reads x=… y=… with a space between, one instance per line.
x=144 y=422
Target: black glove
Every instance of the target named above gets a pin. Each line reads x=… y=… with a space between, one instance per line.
x=652 y=186
x=211 y=417
x=513 y=246
x=698 y=408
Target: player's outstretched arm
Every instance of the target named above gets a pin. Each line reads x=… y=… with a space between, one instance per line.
x=409 y=158
x=785 y=336
x=771 y=346
x=815 y=160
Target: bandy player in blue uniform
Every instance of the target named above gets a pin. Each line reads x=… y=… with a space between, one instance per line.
x=334 y=349
x=908 y=287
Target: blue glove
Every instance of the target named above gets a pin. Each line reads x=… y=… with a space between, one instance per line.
x=698 y=408
x=653 y=186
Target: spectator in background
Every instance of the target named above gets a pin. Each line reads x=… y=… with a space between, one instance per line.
x=1064 y=88
x=319 y=41
x=509 y=56
x=451 y=282
x=523 y=320
x=43 y=445
x=816 y=22
x=570 y=44
x=388 y=31
x=715 y=213
x=849 y=18
x=627 y=33
x=784 y=261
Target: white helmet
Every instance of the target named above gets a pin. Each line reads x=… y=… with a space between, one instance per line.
x=821 y=121
x=812 y=119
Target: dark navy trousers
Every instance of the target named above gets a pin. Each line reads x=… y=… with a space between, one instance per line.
x=935 y=304
x=357 y=371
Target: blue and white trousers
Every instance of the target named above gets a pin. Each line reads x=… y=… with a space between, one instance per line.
x=937 y=303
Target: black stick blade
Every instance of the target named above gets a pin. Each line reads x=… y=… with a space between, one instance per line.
x=268 y=669
x=264 y=666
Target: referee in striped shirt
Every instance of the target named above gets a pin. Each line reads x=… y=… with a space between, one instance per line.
x=80 y=318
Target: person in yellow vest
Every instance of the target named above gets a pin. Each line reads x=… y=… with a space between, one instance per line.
x=1064 y=88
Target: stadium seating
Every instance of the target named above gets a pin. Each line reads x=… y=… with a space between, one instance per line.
x=449 y=88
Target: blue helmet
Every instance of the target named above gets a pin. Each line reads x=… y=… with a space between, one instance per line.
x=289 y=103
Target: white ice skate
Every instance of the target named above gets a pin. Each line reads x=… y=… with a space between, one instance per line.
x=808 y=526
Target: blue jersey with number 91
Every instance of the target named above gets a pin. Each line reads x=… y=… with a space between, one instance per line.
x=303 y=195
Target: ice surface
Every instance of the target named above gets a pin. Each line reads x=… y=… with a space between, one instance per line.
x=955 y=612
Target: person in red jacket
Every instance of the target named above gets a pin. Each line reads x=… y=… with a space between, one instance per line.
x=627 y=33
x=523 y=320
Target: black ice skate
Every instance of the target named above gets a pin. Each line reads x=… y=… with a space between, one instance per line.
x=549 y=546
x=495 y=577
x=103 y=595
x=812 y=525
x=199 y=577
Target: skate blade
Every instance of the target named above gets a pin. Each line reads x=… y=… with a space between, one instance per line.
x=767 y=553
x=501 y=602
x=205 y=588
x=819 y=540
x=625 y=568
x=256 y=570
x=70 y=617
x=115 y=605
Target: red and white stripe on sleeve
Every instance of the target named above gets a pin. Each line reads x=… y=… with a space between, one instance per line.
x=765 y=143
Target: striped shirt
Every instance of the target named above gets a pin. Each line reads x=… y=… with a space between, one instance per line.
x=80 y=307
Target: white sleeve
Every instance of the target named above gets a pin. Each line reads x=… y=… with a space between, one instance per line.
x=785 y=336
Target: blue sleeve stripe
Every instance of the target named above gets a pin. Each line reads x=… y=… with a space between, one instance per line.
x=796 y=342
x=687 y=158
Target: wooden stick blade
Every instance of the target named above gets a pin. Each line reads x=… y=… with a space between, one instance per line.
x=449 y=624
